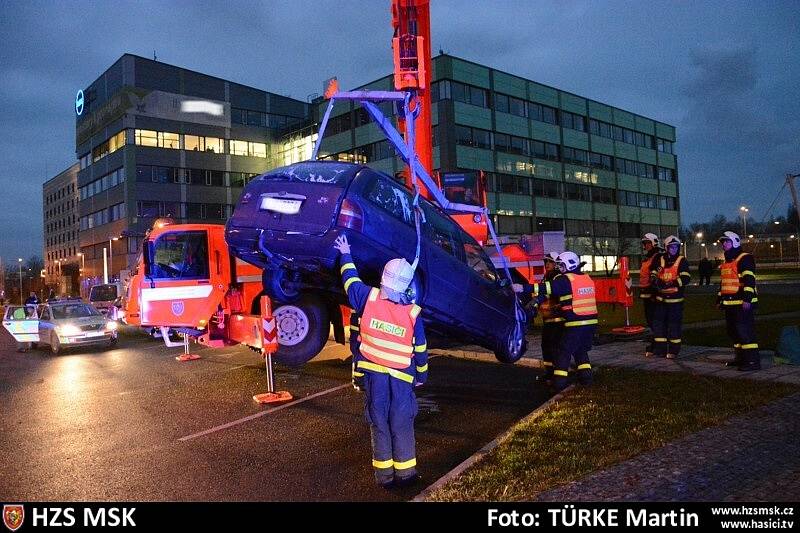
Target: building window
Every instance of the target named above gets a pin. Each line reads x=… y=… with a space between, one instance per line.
x=666 y=174
x=146 y=138
x=257 y=149
x=604 y=195
x=572 y=121
x=575 y=191
x=547 y=188
x=542 y=113
x=194 y=143
x=575 y=156
x=238 y=147
x=665 y=146
x=514 y=225
x=603 y=161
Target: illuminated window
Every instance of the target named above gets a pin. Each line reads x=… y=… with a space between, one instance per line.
x=146 y=138
x=169 y=140
x=116 y=142
x=194 y=143
x=215 y=144
x=257 y=149
x=238 y=147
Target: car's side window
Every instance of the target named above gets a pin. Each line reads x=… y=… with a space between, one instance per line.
x=442 y=232
x=391 y=198
x=477 y=260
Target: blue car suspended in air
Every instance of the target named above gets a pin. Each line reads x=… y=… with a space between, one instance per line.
x=286 y=220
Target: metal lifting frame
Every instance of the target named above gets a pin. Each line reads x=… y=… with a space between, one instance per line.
x=404 y=150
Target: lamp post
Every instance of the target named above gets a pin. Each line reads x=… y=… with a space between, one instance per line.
x=111 y=258
x=21 y=301
x=744 y=210
x=699 y=236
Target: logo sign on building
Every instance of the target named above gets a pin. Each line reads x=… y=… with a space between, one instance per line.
x=79 y=102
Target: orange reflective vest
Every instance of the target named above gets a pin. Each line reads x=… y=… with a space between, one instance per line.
x=669 y=274
x=584 y=302
x=387 y=331
x=644 y=275
x=731 y=282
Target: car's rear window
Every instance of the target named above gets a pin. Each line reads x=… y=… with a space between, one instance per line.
x=103 y=293
x=331 y=174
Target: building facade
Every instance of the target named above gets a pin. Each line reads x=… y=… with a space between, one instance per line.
x=554 y=160
x=61 y=235
x=155 y=140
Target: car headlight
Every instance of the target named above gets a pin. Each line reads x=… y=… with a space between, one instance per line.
x=69 y=329
x=111 y=326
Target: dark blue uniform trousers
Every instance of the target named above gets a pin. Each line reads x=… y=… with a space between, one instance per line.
x=650 y=306
x=667 y=329
x=551 y=334
x=575 y=343
x=390 y=408
x=741 y=328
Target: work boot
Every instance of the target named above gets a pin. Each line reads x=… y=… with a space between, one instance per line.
x=403 y=482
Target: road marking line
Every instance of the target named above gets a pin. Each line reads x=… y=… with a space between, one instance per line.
x=262 y=413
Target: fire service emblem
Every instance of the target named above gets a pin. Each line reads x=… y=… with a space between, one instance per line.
x=177 y=307
x=13 y=515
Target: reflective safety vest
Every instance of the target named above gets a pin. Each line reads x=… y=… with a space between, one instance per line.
x=644 y=275
x=730 y=276
x=387 y=331
x=669 y=274
x=584 y=302
x=549 y=309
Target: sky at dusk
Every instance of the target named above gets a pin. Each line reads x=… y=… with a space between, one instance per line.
x=725 y=74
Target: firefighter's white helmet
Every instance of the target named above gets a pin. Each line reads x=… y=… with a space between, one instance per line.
x=672 y=240
x=651 y=238
x=397 y=275
x=568 y=261
x=733 y=237
x=551 y=256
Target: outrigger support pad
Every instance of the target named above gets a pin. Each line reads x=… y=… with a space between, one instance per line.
x=271 y=396
x=186 y=356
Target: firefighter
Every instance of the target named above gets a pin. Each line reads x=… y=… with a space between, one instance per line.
x=392 y=355
x=355 y=327
x=552 y=323
x=575 y=293
x=738 y=298
x=646 y=293
x=669 y=275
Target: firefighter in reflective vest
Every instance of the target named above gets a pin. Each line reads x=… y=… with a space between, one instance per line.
x=738 y=298
x=552 y=322
x=669 y=276
x=575 y=292
x=646 y=292
x=393 y=358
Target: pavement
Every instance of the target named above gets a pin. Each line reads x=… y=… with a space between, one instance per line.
x=131 y=423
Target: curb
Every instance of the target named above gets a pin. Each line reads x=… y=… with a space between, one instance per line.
x=488 y=448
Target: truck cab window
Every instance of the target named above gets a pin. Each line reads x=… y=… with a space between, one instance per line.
x=181 y=255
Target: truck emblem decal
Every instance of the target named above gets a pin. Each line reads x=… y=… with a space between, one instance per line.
x=177 y=307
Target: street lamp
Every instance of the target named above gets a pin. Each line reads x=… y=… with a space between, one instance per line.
x=744 y=210
x=699 y=236
x=19 y=260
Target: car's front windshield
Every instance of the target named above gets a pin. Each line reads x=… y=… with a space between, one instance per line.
x=77 y=310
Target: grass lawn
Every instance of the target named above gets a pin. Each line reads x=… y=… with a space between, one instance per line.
x=697 y=308
x=768 y=333
x=626 y=412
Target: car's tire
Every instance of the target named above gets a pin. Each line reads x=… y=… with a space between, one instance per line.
x=274 y=283
x=34 y=345
x=303 y=328
x=55 y=345
x=112 y=343
x=514 y=345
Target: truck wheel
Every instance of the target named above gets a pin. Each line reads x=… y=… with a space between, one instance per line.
x=55 y=345
x=303 y=328
x=514 y=346
x=275 y=281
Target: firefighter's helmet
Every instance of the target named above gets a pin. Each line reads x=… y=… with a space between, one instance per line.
x=568 y=261
x=397 y=275
x=731 y=236
x=652 y=238
x=551 y=256
x=672 y=240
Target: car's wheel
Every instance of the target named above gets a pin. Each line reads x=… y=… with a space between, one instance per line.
x=55 y=345
x=34 y=345
x=276 y=285
x=303 y=328
x=112 y=342
x=514 y=345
